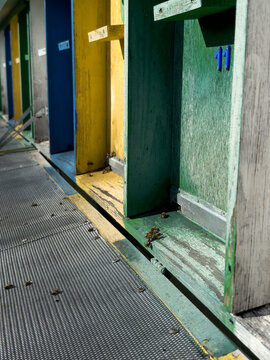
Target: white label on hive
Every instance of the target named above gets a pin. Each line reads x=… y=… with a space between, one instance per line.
x=63 y=45
x=42 y=52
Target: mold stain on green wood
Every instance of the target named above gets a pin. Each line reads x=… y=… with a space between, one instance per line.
x=205 y=120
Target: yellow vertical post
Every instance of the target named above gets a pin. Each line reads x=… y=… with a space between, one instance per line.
x=16 y=68
x=117 y=85
x=90 y=86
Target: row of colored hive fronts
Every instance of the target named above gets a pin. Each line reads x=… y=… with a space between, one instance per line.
x=69 y=57
x=47 y=60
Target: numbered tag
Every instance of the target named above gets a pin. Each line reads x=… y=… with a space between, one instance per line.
x=64 y=45
x=42 y=52
x=227 y=56
x=218 y=57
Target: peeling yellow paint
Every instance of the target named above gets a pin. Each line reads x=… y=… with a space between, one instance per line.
x=233 y=356
x=16 y=74
x=105 y=228
x=90 y=86
x=106 y=190
x=116 y=85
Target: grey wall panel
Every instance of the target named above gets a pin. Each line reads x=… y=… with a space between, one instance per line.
x=3 y=73
x=39 y=68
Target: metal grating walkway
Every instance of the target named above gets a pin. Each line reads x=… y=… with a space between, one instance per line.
x=98 y=314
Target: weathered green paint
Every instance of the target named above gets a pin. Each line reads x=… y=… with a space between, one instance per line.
x=188 y=248
x=25 y=65
x=185 y=9
x=205 y=120
x=187 y=313
x=191 y=254
x=148 y=107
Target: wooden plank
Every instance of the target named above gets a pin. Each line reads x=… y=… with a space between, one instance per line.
x=116 y=86
x=39 y=68
x=16 y=75
x=107 y=33
x=148 y=107
x=185 y=9
x=90 y=86
x=106 y=190
x=248 y=250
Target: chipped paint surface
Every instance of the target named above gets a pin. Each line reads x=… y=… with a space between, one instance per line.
x=106 y=190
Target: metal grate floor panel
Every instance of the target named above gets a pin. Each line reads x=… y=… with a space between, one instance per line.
x=16 y=161
x=99 y=314
x=20 y=221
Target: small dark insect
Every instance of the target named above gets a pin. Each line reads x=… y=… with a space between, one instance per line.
x=90 y=163
x=65 y=198
x=28 y=283
x=97 y=237
x=164 y=350
x=164 y=215
x=9 y=286
x=52 y=215
x=107 y=170
x=174 y=331
x=91 y=229
x=115 y=261
x=140 y=290
x=57 y=300
x=91 y=175
x=60 y=203
x=152 y=235
x=85 y=221
x=34 y=204
x=55 y=292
